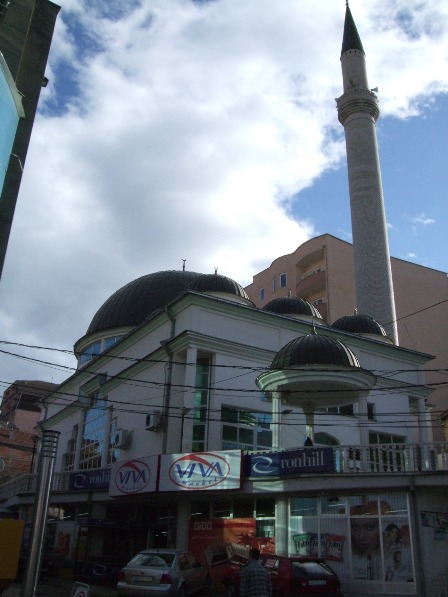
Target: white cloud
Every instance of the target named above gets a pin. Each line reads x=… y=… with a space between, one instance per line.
x=181 y=130
x=423 y=220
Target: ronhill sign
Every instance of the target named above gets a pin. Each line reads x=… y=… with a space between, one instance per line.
x=290 y=462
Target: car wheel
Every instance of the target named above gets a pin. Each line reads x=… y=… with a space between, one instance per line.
x=231 y=590
x=182 y=592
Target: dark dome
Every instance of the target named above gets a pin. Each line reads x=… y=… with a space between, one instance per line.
x=359 y=324
x=217 y=283
x=314 y=349
x=291 y=305
x=133 y=303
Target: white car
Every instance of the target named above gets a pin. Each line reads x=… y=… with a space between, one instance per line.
x=163 y=572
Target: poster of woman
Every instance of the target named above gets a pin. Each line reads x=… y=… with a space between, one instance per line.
x=397 y=552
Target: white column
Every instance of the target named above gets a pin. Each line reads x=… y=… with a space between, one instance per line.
x=281 y=526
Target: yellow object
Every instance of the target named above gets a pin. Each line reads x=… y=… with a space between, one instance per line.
x=11 y=532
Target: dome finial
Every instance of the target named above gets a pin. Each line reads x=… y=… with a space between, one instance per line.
x=289 y=293
x=355 y=312
x=313 y=328
x=216 y=270
x=183 y=264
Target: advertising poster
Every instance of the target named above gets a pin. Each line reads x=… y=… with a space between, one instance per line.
x=221 y=542
x=397 y=551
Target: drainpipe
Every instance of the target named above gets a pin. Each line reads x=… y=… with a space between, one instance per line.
x=168 y=378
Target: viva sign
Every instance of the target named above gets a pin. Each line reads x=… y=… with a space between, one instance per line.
x=200 y=471
x=129 y=477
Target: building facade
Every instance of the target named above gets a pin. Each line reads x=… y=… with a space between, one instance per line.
x=167 y=438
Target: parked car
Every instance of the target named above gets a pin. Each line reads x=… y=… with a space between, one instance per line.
x=291 y=577
x=163 y=572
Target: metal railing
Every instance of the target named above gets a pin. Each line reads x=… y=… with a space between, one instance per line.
x=375 y=458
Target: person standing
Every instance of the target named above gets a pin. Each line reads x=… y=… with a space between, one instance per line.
x=255 y=580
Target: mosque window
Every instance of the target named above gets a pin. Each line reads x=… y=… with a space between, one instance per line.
x=245 y=430
x=261 y=294
x=69 y=456
x=283 y=280
x=97 y=348
x=201 y=403
x=93 y=438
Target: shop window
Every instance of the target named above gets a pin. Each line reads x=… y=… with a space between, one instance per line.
x=222 y=509
x=245 y=430
x=363 y=537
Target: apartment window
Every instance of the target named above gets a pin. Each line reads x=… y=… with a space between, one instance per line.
x=283 y=280
x=245 y=430
x=261 y=294
x=201 y=402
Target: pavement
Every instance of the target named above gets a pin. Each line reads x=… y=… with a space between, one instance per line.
x=59 y=587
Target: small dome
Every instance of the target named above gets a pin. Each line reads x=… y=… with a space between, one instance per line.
x=215 y=283
x=359 y=324
x=292 y=305
x=314 y=349
x=134 y=302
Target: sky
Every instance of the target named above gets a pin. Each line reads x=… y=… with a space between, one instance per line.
x=207 y=131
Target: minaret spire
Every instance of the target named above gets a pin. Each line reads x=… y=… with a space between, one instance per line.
x=358 y=111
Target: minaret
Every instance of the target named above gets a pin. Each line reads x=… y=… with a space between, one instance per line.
x=358 y=112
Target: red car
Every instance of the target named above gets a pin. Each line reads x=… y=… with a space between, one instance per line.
x=291 y=577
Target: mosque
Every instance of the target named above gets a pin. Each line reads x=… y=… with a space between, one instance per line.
x=199 y=421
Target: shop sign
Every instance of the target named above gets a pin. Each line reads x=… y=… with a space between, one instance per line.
x=290 y=462
x=200 y=471
x=130 y=477
x=89 y=480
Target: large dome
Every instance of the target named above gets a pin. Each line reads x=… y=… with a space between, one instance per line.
x=134 y=302
x=360 y=324
x=292 y=305
x=314 y=349
x=217 y=284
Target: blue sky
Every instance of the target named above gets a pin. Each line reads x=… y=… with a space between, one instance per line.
x=415 y=187
x=208 y=131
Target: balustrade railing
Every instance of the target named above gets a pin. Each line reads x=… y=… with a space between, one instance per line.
x=374 y=458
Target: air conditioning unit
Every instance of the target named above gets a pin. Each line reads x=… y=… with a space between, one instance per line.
x=122 y=439
x=153 y=420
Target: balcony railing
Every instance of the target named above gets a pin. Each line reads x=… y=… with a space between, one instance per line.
x=373 y=459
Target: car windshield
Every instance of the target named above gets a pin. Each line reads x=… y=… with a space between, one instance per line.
x=153 y=560
x=310 y=569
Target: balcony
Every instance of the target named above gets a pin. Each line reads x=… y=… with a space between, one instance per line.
x=393 y=459
x=311 y=283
